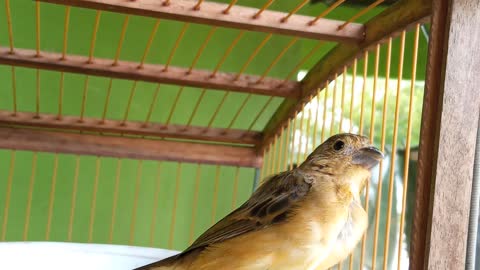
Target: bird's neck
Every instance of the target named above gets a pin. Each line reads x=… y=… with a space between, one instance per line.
x=348 y=184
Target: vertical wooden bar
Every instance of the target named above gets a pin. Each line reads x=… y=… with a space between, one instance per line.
x=382 y=148
x=315 y=125
x=334 y=99
x=372 y=136
x=365 y=72
x=51 y=199
x=274 y=154
x=30 y=196
x=14 y=91
x=215 y=194
x=367 y=185
x=394 y=151
x=302 y=120
x=281 y=137
x=342 y=100
x=307 y=135
x=195 y=202
x=352 y=97
x=6 y=208
x=115 y=199
x=288 y=134
x=448 y=136
x=174 y=209
x=73 y=199
x=155 y=204
x=292 y=149
x=407 y=145
x=138 y=181
x=235 y=188
x=324 y=120
x=93 y=204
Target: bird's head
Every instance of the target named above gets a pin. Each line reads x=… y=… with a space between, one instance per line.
x=343 y=155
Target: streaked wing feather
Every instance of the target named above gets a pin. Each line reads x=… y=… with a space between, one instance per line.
x=269 y=204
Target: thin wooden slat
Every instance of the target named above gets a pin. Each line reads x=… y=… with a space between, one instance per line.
x=130 y=127
x=150 y=73
x=393 y=156
x=447 y=137
x=138 y=180
x=120 y=41
x=115 y=200
x=8 y=194
x=364 y=89
x=403 y=14
x=407 y=145
x=9 y=24
x=175 y=46
x=156 y=197
x=14 y=91
x=382 y=148
x=239 y=17
x=334 y=99
x=149 y=43
x=195 y=203
x=51 y=198
x=173 y=219
x=93 y=204
x=73 y=201
x=215 y=195
x=235 y=188
x=30 y=197
x=124 y=147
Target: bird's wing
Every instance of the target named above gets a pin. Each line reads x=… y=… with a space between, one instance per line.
x=270 y=204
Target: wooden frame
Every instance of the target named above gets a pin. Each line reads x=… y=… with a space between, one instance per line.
x=448 y=137
x=130 y=127
x=124 y=147
x=399 y=16
x=238 y=17
x=149 y=73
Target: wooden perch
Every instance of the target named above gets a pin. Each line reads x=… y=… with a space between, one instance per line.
x=238 y=17
x=149 y=73
x=124 y=147
x=130 y=127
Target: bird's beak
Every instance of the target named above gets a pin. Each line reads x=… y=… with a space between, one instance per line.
x=367 y=157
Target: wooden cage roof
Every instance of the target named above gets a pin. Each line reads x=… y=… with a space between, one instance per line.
x=273 y=96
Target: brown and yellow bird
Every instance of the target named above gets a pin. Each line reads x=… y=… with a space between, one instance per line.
x=306 y=218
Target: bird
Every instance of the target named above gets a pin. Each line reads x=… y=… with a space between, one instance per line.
x=310 y=217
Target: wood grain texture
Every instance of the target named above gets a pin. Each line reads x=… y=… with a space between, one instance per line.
x=125 y=147
x=131 y=127
x=239 y=17
x=392 y=21
x=150 y=73
x=454 y=93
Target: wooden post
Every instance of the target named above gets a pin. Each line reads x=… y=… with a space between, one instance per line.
x=447 y=144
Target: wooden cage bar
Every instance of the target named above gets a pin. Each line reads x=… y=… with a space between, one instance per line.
x=239 y=17
x=150 y=73
x=125 y=147
x=71 y=123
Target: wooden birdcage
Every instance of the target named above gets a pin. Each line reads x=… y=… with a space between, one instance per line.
x=143 y=122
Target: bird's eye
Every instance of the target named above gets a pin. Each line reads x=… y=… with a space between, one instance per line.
x=338 y=145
